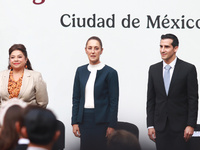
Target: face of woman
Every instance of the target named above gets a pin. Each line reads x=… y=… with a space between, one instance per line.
x=93 y=51
x=17 y=60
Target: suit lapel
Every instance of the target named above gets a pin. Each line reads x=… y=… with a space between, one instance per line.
x=25 y=82
x=5 y=83
x=160 y=78
x=174 y=75
x=84 y=77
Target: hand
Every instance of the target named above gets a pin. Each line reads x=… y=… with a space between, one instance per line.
x=152 y=134
x=188 y=132
x=76 y=130
x=109 y=131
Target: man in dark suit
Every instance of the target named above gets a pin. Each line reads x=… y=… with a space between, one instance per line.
x=172 y=98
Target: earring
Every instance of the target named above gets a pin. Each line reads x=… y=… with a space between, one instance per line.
x=26 y=66
x=11 y=68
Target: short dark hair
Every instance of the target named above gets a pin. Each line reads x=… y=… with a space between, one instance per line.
x=171 y=36
x=95 y=38
x=41 y=125
x=123 y=140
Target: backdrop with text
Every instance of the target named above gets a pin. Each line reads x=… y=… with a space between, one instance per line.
x=55 y=33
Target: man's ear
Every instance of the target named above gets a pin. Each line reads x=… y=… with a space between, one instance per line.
x=18 y=128
x=175 y=49
x=24 y=132
x=56 y=135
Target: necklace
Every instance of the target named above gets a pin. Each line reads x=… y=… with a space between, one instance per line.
x=14 y=86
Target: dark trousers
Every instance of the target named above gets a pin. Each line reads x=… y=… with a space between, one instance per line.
x=93 y=135
x=170 y=140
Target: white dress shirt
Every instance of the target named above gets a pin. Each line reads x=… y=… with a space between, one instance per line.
x=36 y=148
x=172 y=65
x=23 y=141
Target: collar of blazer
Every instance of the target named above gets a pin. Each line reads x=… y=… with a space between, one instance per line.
x=25 y=82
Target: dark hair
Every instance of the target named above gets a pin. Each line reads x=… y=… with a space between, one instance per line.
x=9 y=136
x=94 y=38
x=123 y=140
x=171 y=36
x=21 y=48
x=26 y=110
x=41 y=126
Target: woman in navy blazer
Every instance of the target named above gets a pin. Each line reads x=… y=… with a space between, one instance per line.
x=95 y=99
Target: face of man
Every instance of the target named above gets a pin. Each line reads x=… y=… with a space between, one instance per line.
x=167 y=51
